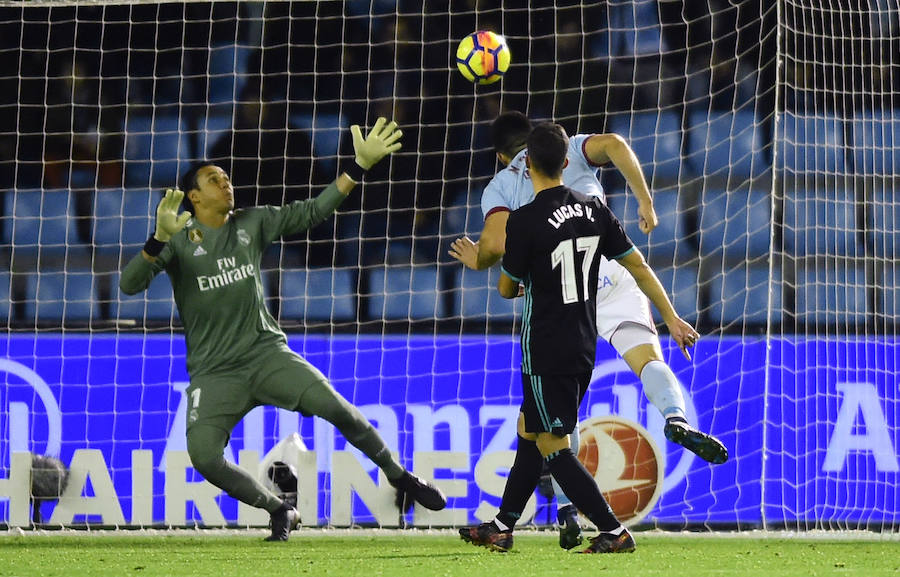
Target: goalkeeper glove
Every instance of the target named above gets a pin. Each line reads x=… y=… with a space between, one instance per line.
x=168 y=221
x=382 y=140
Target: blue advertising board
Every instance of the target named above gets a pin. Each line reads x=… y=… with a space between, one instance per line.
x=812 y=426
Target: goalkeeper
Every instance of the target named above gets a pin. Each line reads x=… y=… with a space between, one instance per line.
x=237 y=356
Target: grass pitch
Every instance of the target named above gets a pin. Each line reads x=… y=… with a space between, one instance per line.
x=432 y=553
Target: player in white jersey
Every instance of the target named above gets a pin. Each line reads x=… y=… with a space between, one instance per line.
x=623 y=312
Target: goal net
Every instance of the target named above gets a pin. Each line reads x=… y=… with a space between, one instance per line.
x=765 y=130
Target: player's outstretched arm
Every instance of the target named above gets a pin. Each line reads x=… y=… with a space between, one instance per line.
x=602 y=148
x=141 y=269
x=683 y=333
x=489 y=248
x=382 y=140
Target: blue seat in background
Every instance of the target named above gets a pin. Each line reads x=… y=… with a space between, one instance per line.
x=889 y=294
x=736 y=223
x=725 y=144
x=475 y=295
x=811 y=144
x=123 y=219
x=211 y=128
x=154 y=146
x=634 y=28
x=227 y=72
x=318 y=294
x=154 y=304
x=884 y=222
x=830 y=294
x=667 y=242
x=463 y=216
x=876 y=143
x=819 y=222
x=655 y=138
x=680 y=283
x=347 y=235
x=742 y=294
x=405 y=293
x=61 y=297
x=39 y=218
x=6 y=312
x=324 y=132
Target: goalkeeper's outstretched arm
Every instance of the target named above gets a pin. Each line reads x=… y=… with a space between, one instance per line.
x=142 y=267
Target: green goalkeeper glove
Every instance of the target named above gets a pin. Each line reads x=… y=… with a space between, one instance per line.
x=168 y=221
x=382 y=140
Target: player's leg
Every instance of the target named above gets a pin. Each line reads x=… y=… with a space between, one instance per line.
x=288 y=381
x=523 y=478
x=211 y=417
x=624 y=320
x=663 y=390
x=559 y=400
x=570 y=531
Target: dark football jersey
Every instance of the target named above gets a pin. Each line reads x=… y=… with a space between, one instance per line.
x=553 y=247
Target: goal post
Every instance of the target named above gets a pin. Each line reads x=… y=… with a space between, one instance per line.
x=765 y=130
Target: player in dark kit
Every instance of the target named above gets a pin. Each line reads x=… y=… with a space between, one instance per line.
x=237 y=356
x=553 y=248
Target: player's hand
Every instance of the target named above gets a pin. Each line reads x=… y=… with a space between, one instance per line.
x=465 y=251
x=683 y=334
x=383 y=139
x=647 y=219
x=168 y=221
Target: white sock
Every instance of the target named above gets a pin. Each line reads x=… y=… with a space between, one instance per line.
x=617 y=531
x=500 y=525
x=662 y=389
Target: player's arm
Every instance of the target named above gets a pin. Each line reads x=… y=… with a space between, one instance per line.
x=516 y=258
x=156 y=253
x=602 y=148
x=490 y=246
x=683 y=333
x=382 y=140
x=507 y=286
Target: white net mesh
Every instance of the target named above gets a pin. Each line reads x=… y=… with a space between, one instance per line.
x=766 y=132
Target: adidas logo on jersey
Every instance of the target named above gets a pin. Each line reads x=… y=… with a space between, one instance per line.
x=199 y=251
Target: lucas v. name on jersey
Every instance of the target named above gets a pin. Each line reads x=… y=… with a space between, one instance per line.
x=567 y=211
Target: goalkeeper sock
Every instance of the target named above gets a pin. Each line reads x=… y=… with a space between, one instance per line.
x=582 y=489
x=522 y=480
x=662 y=389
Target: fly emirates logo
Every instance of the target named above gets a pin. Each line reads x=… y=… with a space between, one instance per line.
x=229 y=272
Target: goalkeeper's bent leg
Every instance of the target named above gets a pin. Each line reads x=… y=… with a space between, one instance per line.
x=322 y=400
x=206 y=446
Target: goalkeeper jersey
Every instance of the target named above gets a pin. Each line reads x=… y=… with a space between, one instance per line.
x=216 y=280
x=511 y=187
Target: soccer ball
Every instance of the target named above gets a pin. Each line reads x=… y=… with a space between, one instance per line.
x=626 y=464
x=482 y=57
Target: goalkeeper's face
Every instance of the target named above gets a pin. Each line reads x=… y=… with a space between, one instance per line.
x=214 y=191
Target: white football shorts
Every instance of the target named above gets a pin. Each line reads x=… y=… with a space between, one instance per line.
x=621 y=302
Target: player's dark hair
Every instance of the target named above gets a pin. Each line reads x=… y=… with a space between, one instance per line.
x=509 y=132
x=547 y=147
x=189 y=182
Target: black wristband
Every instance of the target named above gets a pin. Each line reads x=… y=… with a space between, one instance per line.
x=153 y=247
x=354 y=171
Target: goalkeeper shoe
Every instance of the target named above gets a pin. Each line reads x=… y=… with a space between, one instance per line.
x=570 y=535
x=609 y=543
x=411 y=488
x=704 y=446
x=283 y=521
x=488 y=535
